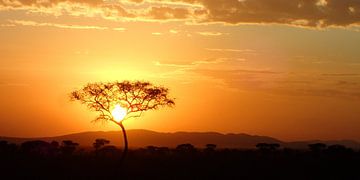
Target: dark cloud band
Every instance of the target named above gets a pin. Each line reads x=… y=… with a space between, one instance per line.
x=305 y=13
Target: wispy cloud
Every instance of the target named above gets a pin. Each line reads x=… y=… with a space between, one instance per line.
x=287 y=84
x=173 y=31
x=5 y=84
x=65 y=26
x=229 y=74
x=156 y=33
x=189 y=65
x=7 y=25
x=57 y=25
x=231 y=50
x=342 y=74
x=119 y=29
x=207 y=33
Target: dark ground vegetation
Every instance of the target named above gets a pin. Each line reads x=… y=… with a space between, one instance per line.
x=66 y=160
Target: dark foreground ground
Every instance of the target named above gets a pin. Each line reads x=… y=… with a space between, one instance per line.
x=185 y=162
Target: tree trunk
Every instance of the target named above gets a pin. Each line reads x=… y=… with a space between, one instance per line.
x=125 y=142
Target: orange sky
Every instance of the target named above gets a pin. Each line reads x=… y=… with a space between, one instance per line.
x=287 y=69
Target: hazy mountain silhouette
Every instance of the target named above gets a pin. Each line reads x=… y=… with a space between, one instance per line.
x=143 y=138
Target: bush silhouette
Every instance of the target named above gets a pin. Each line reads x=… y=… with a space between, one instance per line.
x=267 y=146
x=100 y=143
x=6 y=147
x=210 y=148
x=317 y=147
x=68 y=147
x=33 y=161
x=39 y=147
x=186 y=148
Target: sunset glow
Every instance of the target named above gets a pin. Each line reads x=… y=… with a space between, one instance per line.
x=119 y=113
x=180 y=89
x=287 y=69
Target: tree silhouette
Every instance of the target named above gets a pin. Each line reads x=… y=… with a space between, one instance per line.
x=210 y=147
x=68 y=147
x=185 y=148
x=267 y=146
x=6 y=147
x=136 y=97
x=338 y=149
x=36 y=147
x=100 y=143
x=317 y=147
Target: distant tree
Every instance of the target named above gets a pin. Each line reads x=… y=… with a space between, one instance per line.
x=274 y=146
x=3 y=146
x=151 y=149
x=267 y=146
x=338 y=149
x=157 y=150
x=118 y=101
x=210 y=147
x=55 y=144
x=185 y=148
x=109 y=151
x=163 y=150
x=262 y=146
x=100 y=143
x=12 y=147
x=6 y=147
x=317 y=147
x=68 y=147
x=3 y=143
x=36 y=147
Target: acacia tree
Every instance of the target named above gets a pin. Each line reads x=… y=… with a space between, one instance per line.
x=133 y=97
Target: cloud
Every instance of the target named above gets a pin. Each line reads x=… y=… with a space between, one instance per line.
x=119 y=29
x=65 y=26
x=303 y=13
x=7 y=25
x=173 y=31
x=85 y=8
x=184 y=71
x=190 y=65
x=232 y=50
x=322 y=3
x=156 y=33
x=288 y=84
x=342 y=74
x=228 y=74
x=210 y=33
x=4 y=84
x=111 y=10
x=165 y=13
x=307 y=13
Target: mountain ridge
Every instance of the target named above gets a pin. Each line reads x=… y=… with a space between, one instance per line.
x=142 y=138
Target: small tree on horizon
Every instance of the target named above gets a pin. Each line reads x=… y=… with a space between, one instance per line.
x=100 y=143
x=119 y=101
x=267 y=146
x=68 y=147
x=210 y=147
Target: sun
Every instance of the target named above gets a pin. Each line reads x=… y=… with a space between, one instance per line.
x=119 y=113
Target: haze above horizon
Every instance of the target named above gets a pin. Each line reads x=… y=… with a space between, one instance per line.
x=289 y=70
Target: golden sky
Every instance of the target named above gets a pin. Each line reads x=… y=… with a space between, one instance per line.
x=287 y=69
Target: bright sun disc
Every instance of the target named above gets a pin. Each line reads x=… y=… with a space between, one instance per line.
x=119 y=113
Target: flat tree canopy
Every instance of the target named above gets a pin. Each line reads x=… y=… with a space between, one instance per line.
x=136 y=97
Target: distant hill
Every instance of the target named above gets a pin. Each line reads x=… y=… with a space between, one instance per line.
x=143 y=138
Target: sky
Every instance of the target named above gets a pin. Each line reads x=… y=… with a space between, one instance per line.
x=286 y=69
